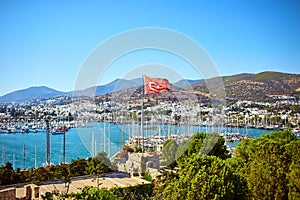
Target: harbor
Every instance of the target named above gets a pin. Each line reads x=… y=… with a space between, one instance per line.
x=84 y=142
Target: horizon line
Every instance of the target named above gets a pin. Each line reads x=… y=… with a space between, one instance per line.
x=118 y=78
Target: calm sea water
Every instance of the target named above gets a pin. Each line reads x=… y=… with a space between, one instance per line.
x=85 y=142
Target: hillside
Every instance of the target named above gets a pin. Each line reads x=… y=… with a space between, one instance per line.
x=114 y=86
x=133 y=96
x=256 y=87
x=41 y=92
x=261 y=86
x=185 y=83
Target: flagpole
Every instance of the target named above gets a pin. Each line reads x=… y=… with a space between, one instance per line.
x=142 y=113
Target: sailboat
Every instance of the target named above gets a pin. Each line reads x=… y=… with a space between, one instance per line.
x=59 y=130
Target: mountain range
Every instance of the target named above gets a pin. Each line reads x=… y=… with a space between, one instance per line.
x=40 y=92
x=43 y=92
x=114 y=86
x=257 y=87
x=245 y=86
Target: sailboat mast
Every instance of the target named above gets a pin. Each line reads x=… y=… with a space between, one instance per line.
x=35 y=157
x=104 y=135
x=3 y=156
x=47 y=142
x=24 y=155
x=13 y=160
x=108 y=141
x=142 y=113
x=64 y=143
x=93 y=145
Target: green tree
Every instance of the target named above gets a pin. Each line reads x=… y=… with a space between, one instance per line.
x=206 y=172
x=6 y=173
x=104 y=160
x=293 y=149
x=270 y=163
x=169 y=152
x=19 y=176
x=63 y=171
x=95 y=193
x=40 y=175
x=207 y=177
x=266 y=172
x=294 y=180
x=78 y=167
x=99 y=165
x=141 y=191
x=201 y=144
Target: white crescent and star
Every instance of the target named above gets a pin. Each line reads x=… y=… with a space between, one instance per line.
x=154 y=86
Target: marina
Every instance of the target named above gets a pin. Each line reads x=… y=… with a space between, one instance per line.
x=97 y=136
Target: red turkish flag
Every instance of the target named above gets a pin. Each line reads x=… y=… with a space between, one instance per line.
x=155 y=85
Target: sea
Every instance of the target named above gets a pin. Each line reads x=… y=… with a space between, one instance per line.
x=28 y=150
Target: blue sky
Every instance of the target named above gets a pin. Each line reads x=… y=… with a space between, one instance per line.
x=46 y=42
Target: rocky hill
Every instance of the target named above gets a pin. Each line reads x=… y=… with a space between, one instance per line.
x=260 y=87
x=255 y=87
x=40 y=92
x=133 y=96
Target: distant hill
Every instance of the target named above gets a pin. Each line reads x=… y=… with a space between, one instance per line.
x=122 y=84
x=187 y=82
x=41 y=92
x=133 y=96
x=118 y=85
x=114 y=86
x=257 y=87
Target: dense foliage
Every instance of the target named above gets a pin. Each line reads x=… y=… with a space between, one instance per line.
x=267 y=167
x=208 y=177
x=92 y=166
x=169 y=153
x=271 y=165
x=202 y=144
x=141 y=192
x=204 y=172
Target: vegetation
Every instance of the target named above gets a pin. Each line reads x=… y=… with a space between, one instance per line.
x=169 y=152
x=95 y=193
x=201 y=175
x=256 y=87
x=148 y=176
x=144 y=191
x=267 y=167
x=206 y=177
x=93 y=166
x=270 y=164
x=201 y=144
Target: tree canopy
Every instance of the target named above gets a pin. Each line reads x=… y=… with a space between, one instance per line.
x=92 y=166
x=206 y=177
x=169 y=152
x=204 y=172
x=271 y=165
x=267 y=167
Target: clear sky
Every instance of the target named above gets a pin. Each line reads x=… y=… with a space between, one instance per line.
x=44 y=43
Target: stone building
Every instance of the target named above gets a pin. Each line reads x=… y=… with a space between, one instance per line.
x=138 y=162
x=27 y=192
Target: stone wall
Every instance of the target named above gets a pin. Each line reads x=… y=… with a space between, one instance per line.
x=139 y=162
x=28 y=192
x=8 y=194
